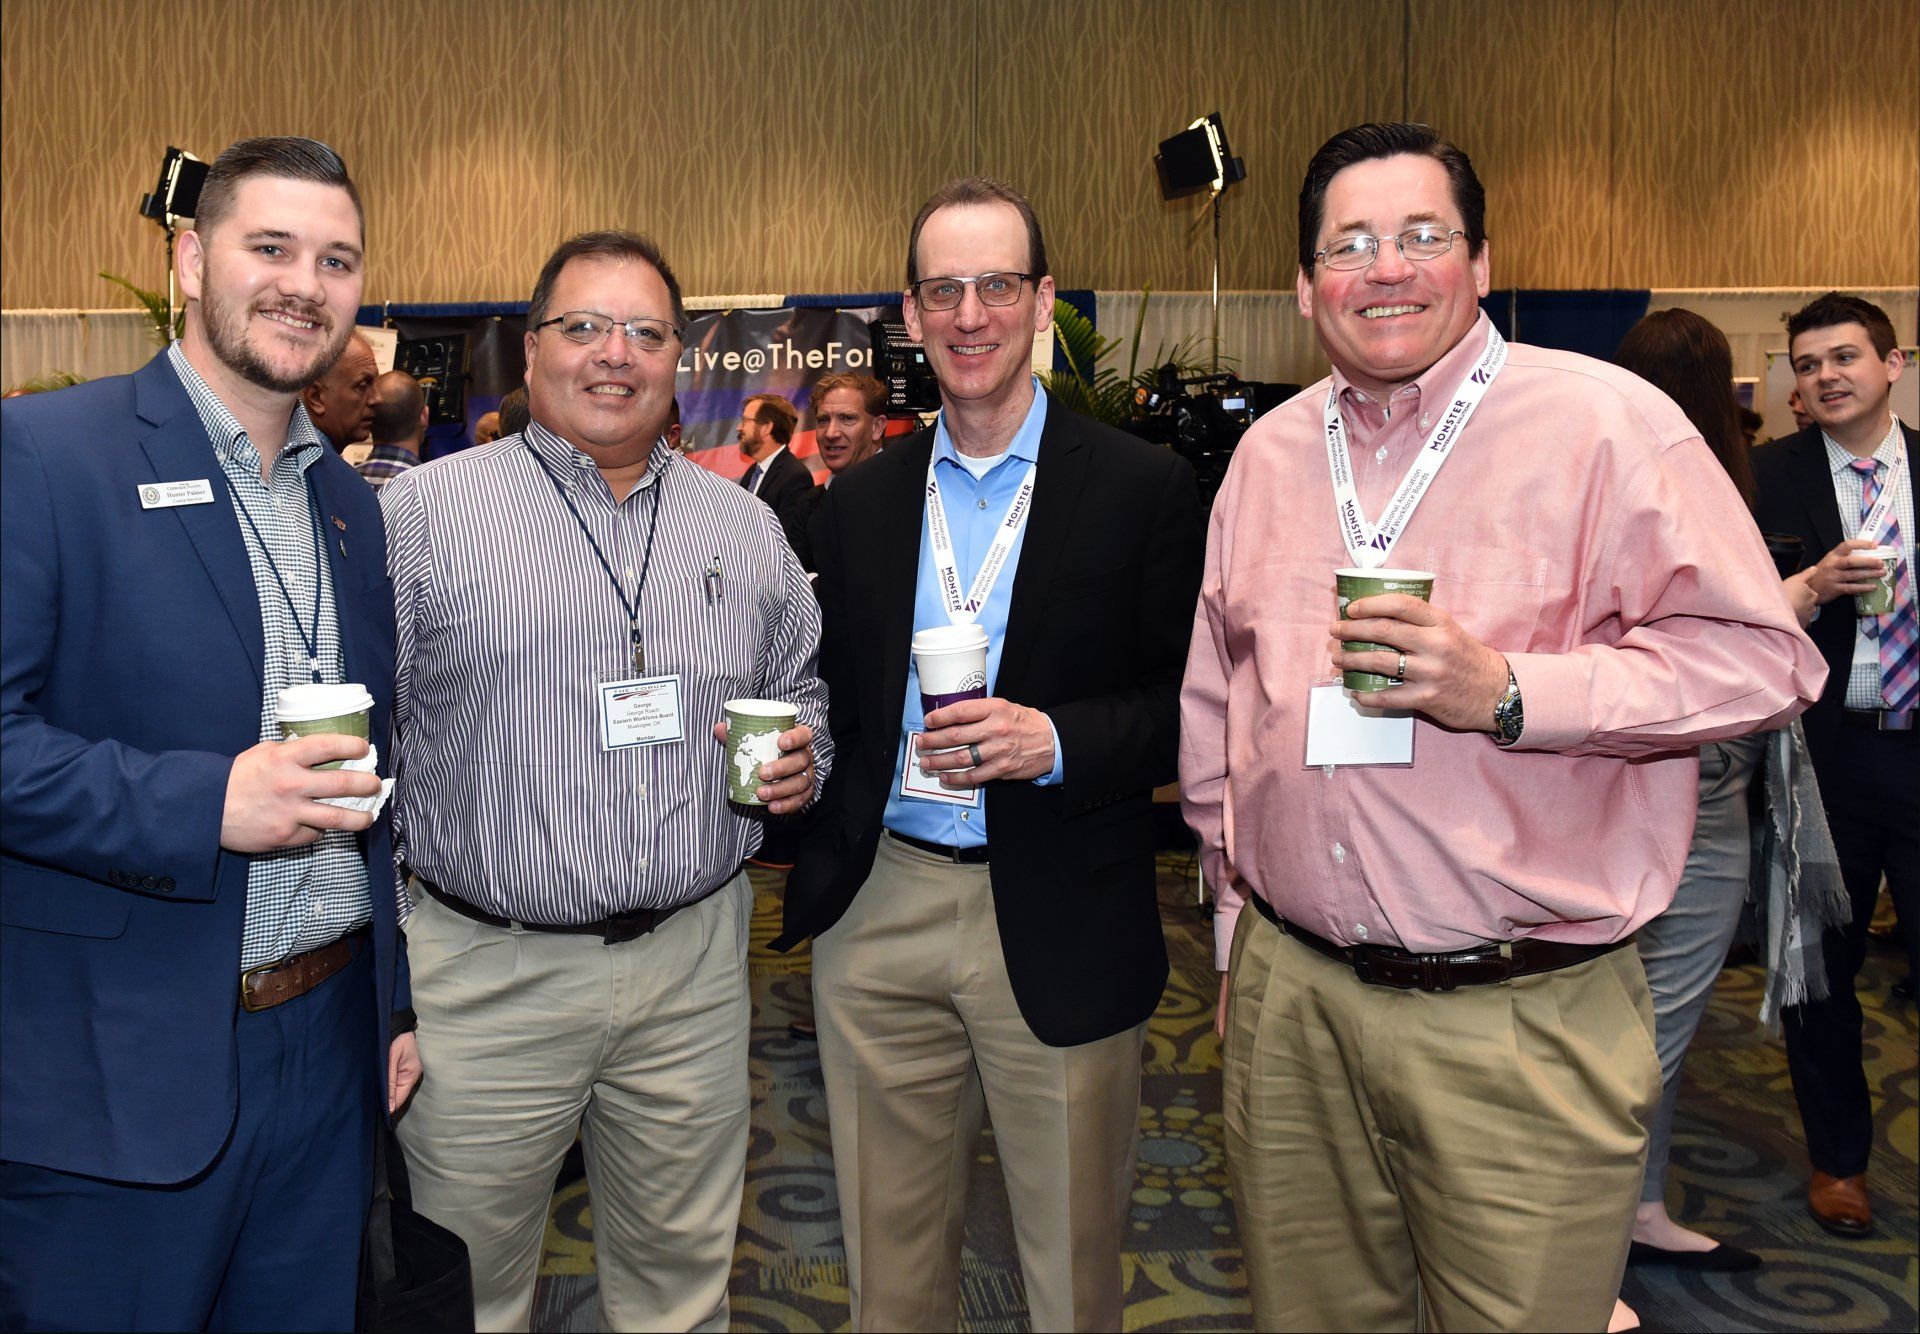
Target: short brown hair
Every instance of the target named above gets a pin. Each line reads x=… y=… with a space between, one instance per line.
x=286 y=156
x=1823 y=312
x=773 y=410
x=615 y=245
x=873 y=394
x=1365 y=143
x=978 y=190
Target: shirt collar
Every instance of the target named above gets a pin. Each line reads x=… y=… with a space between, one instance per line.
x=228 y=437
x=1839 y=458
x=1026 y=441
x=568 y=465
x=1440 y=381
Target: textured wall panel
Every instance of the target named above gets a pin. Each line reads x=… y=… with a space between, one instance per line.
x=1525 y=87
x=1766 y=144
x=783 y=146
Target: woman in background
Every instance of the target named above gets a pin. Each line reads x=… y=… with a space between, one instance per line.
x=1684 y=948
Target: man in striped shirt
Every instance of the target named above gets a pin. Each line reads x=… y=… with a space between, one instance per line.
x=580 y=927
x=399 y=428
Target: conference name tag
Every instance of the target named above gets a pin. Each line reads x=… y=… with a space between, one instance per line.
x=640 y=711
x=167 y=495
x=916 y=786
x=1342 y=732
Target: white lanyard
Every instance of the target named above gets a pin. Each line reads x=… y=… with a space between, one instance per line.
x=1367 y=544
x=1011 y=523
x=1874 y=526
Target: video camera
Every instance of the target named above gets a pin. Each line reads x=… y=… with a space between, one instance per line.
x=1202 y=417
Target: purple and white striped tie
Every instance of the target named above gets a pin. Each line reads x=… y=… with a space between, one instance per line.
x=1898 y=632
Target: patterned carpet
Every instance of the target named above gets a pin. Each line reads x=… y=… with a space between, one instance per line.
x=1737 y=1172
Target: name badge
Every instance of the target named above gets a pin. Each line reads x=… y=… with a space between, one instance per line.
x=640 y=711
x=1342 y=732
x=916 y=786
x=166 y=495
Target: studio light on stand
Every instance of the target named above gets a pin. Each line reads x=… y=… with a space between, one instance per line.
x=1198 y=159
x=175 y=200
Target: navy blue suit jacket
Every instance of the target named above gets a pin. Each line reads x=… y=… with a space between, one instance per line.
x=131 y=669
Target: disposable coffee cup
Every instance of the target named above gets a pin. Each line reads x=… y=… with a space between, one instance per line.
x=952 y=662
x=753 y=739
x=1353 y=584
x=1880 y=601
x=323 y=710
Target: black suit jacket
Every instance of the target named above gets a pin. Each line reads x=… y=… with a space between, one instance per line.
x=784 y=487
x=1097 y=633
x=1793 y=493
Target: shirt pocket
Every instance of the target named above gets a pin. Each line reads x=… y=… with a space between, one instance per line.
x=1496 y=594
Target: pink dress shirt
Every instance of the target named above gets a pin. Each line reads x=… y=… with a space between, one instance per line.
x=1581 y=527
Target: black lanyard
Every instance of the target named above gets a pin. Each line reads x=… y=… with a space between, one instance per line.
x=653 y=523
x=309 y=642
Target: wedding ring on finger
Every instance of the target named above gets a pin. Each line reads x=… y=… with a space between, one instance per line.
x=1400 y=670
x=973 y=749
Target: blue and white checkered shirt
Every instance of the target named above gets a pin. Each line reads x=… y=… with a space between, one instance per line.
x=298 y=899
x=1849 y=493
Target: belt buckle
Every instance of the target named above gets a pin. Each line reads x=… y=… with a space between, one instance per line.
x=246 y=1001
x=623 y=927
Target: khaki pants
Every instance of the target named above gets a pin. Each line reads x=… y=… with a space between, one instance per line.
x=524 y=1034
x=1466 y=1159
x=918 y=1027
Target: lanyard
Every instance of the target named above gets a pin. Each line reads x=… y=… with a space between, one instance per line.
x=653 y=522
x=1369 y=545
x=1874 y=526
x=311 y=643
x=1011 y=523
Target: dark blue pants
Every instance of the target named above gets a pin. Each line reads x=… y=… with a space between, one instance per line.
x=266 y=1237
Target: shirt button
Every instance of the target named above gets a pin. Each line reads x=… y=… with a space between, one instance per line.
x=1327 y=769
x=1360 y=930
x=1425 y=421
x=983 y=504
x=1339 y=852
x=1380 y=454
x=966 y=815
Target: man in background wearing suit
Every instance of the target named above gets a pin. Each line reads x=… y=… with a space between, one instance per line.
x=1842 y=486
x=199 y=962
x=773 y=473
x=849 y=421
x=1006 y=951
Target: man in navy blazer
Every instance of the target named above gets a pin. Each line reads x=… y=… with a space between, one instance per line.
x=199 y=962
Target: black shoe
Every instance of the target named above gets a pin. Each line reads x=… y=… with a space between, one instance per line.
x=1902 y=990
x=1722 y=1259
x=802 y=1030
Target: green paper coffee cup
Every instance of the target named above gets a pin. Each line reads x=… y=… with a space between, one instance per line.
x=753 y=739
x=1880 y=601
x=323 y=710
x=1353 y=584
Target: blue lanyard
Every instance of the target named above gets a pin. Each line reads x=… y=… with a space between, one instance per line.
x=309 y=642
x=653 y=523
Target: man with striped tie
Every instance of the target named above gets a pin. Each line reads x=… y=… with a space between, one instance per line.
x=1844 y=486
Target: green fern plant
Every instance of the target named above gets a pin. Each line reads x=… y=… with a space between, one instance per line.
x=164 y=330
x=40 y=384
x=1102 y=392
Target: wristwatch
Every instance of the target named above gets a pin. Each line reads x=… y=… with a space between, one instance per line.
x=1509 y=718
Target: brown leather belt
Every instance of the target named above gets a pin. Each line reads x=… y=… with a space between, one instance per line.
x=613 y=930
x=1484 y=965
x=272 y=984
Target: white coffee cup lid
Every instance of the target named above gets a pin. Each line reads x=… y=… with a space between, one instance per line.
x=310 y=700
x=950 y=638
x=763 y=708
x=1355 y=572
x=1882 y=553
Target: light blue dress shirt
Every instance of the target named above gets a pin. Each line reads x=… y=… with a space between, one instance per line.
x=974 y=508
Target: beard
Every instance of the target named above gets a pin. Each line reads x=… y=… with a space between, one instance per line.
x=226 y=326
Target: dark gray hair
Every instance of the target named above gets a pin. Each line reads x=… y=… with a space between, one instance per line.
x=615 y=245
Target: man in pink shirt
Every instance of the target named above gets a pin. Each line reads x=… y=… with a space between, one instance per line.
x=1438 y=1054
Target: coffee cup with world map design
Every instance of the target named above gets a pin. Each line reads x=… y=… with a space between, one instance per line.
x=753 y=739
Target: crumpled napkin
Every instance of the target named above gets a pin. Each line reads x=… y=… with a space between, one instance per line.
x=366 y=765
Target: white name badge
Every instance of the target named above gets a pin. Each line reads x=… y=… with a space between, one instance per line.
x=916 y=786
x=166 y=495
x=1341 y=732
x=640 y=711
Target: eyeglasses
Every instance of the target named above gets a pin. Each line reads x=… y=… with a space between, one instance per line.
x=993 y=289
x=587 y=327
x=1420 y=243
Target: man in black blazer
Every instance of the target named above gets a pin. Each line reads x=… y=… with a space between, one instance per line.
x=773 y=473
x=1006 y=951
x=1821 y=486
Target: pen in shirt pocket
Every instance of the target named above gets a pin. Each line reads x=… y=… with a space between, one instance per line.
x=715 y=590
